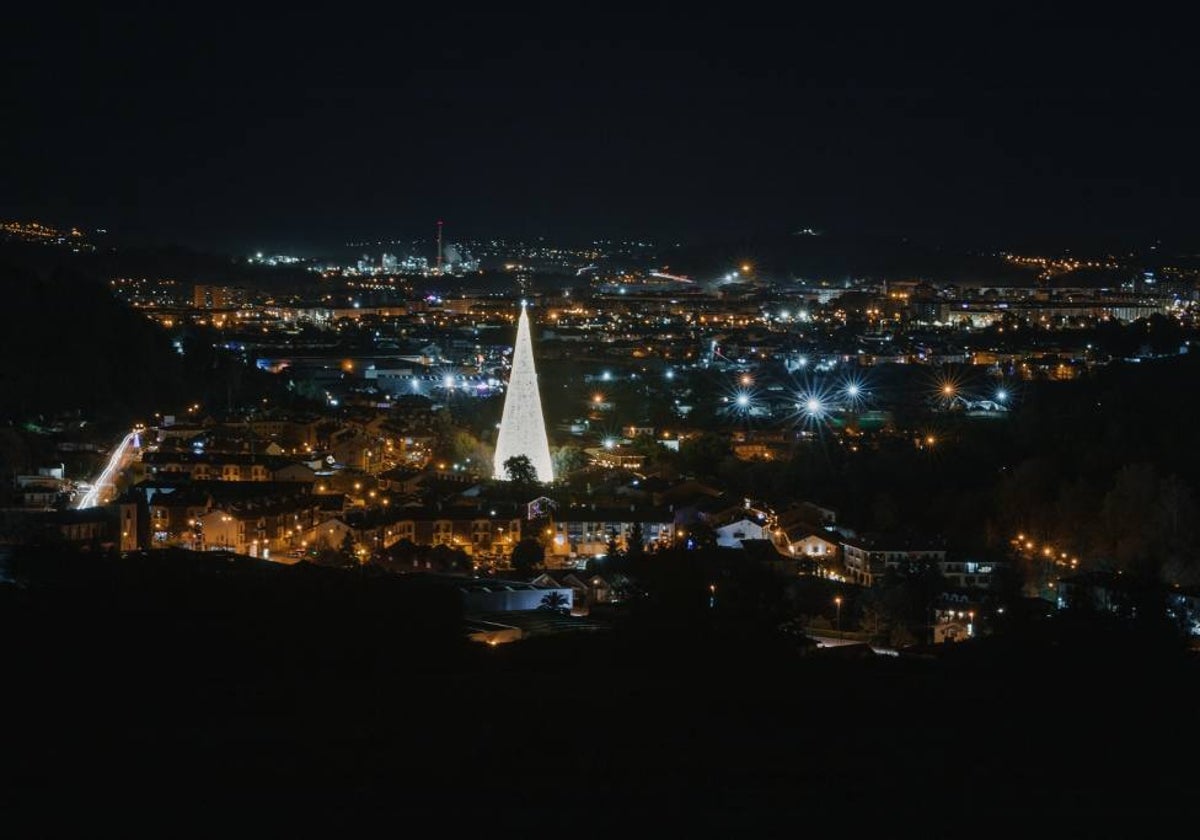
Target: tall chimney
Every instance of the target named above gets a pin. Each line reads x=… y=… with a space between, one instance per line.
x=439 y=251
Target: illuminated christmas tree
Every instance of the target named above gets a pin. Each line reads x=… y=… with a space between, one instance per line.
x=522 y=429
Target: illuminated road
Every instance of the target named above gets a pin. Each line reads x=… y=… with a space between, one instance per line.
x=116 y=462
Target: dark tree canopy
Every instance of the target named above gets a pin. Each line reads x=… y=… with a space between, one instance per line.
x=528 y=555
x=520 y=470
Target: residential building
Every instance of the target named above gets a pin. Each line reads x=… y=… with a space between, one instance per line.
x=866 y=559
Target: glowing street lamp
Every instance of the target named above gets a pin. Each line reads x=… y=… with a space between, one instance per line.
x=838 y=603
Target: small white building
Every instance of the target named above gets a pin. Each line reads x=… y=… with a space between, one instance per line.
x=731 y=535
x=809 y=544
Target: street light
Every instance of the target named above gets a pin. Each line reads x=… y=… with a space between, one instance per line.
x=838 y=602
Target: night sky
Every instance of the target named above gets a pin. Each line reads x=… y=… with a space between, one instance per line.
x=300 y=130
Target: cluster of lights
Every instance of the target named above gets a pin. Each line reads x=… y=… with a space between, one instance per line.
x=949 y=389
x=1058 y=557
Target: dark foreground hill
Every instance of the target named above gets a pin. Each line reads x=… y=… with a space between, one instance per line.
x=249 y=701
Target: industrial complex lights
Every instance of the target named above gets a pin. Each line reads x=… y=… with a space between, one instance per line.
x=522 y=428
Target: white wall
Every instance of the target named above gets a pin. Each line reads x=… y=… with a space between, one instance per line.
x=504 y=600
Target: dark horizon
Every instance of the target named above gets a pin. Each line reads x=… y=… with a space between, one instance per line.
x=302 y=133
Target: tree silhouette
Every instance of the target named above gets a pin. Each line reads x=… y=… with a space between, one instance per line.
x=700 y=455
x=702 y=535
x=347 y=548
x=635 y=546
x=874 y=621
x=520 y=470
x=613 y=553
x=527 y=555
x=554 y=601
x=569 y=459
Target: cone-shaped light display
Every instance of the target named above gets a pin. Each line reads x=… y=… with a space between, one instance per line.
x=522 y=429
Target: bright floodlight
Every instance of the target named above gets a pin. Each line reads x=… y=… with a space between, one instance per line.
x=1002 y=395
x=813 y=405
x=609 y=443
x=852 y=390
x=802 y=361
x=948 y=389
x=448 y=381
x=743 y=400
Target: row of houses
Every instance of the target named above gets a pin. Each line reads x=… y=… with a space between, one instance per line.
x=84 y=529
x=264 y=517
x=278 y=518
x=243 y=516
x=863 y=559
x=225 y=466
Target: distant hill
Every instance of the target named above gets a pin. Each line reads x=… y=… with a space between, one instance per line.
x=73 y=346
x=834 y=256
x=168 y=261
x=197 y=267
